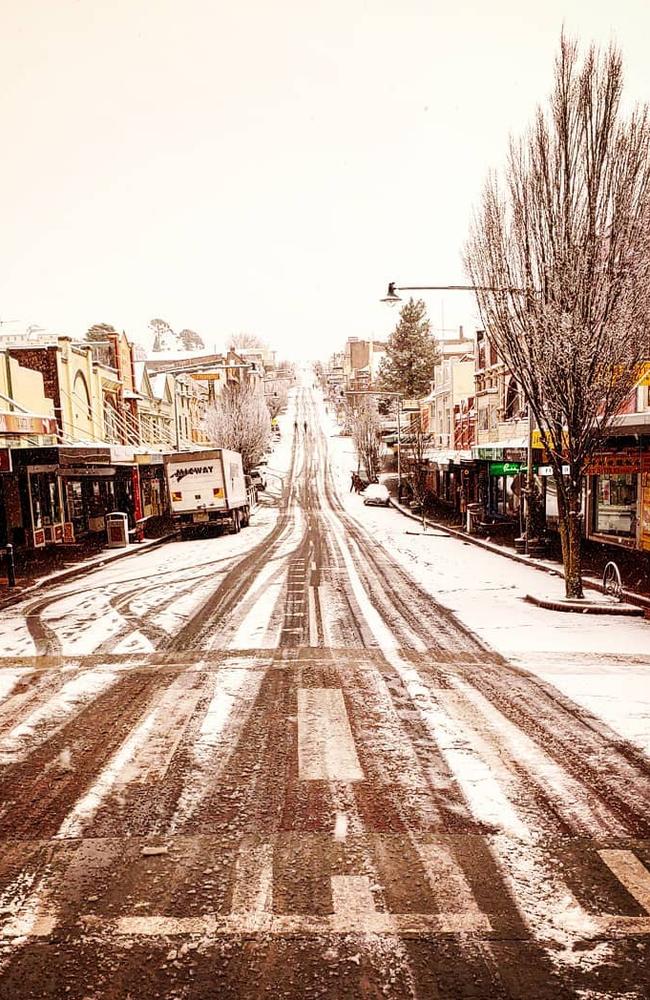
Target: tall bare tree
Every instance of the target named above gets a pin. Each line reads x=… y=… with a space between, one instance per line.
x=416 y=441
x=364 y=424
x=240 y=421
x=560 y=248
x=276 y=394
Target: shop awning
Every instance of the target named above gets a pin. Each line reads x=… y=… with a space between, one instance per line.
x=510 y=450
x=447 y=457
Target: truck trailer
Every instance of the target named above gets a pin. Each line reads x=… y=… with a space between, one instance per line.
x=207 y=488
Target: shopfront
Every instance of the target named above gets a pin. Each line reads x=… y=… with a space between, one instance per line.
x=619 y=495
x=505 y=487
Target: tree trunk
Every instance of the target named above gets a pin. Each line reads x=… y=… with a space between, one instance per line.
x=570 y=521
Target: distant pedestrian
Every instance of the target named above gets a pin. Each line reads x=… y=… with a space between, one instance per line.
x=354 y=481
x=305 y=426
x=295 y=425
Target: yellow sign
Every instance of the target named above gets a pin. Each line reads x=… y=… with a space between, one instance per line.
x=540 y=439
x=645 y=374
x=206 y=376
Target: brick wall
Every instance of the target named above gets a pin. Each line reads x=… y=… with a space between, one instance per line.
x=43 y=360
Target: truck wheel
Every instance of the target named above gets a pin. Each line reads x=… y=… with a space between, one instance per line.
x=236 y=523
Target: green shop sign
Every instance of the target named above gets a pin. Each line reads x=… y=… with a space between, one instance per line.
x=506 y=468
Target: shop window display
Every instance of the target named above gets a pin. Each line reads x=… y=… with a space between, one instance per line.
x=616 y=505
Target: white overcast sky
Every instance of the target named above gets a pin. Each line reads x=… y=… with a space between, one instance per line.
x=263 y=167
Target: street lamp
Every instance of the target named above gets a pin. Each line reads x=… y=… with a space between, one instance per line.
x=392 y=298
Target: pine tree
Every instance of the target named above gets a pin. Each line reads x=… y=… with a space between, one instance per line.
x=411 y=354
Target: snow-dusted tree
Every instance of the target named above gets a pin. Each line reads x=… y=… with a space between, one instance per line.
x=364 y=424
x=191 y=340
x=414 y=461
x=164 y=338
x=411 y=354
x=99 y=331
x=245 y=340
x=276 y=395
x=239 y=420
x=561 y=253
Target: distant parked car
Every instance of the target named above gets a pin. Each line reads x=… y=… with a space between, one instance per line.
x=257 y=479
x=376 y=495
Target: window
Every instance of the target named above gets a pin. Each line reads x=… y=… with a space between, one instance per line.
x=81 y=409
x=513 y=405
x=615 y=505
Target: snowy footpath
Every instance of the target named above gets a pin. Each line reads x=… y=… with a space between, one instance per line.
x=600 y=662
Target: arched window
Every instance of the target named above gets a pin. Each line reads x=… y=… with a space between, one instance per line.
x=81 y=408
x=513 y=400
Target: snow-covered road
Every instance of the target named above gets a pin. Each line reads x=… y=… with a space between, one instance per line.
x=324 y=757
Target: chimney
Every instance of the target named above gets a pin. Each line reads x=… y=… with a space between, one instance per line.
x=460 y=333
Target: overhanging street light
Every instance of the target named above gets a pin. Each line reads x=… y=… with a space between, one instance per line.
x=392 y=298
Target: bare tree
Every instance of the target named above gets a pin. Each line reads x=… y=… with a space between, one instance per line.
x=414 y=462
x=561 y=253
x=276 y=395
x=243 y=340
x=364 y=425
x=240 y=421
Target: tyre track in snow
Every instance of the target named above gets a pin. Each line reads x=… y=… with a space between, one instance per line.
x=233 y=792
x=620 y=791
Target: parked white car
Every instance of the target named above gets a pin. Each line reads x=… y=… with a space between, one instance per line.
x=376 y=495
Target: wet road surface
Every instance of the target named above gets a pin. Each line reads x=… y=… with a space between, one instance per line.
x=288 y=772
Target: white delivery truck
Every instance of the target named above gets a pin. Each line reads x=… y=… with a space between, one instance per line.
x=207 y=488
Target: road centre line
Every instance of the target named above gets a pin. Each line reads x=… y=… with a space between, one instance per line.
x=326 y=750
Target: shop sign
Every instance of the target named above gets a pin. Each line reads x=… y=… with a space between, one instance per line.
x=39 y=538
x=79 y=456
x=540 y=439
x=628 y=461
x=5 y=460
x=20 y=423
x=506 y=468
x=121 y=453
x=547 y=470
x=515 y=455
x=68 y=532
x=645 y=374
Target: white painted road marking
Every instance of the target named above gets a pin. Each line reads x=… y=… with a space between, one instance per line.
x=326 y=750
x=631 y=873
x=253 y=889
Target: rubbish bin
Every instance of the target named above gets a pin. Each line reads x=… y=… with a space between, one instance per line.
x=117 y=530
x=474 y=515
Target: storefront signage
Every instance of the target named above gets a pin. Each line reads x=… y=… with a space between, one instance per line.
x=80 y=456
x=20 y=423
x=547 y=470
x=5 y=460
x=68 y=532
x=515 y=455
x=506 y=468
x=628 y=461
x=121 y=453
x=645 y=374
